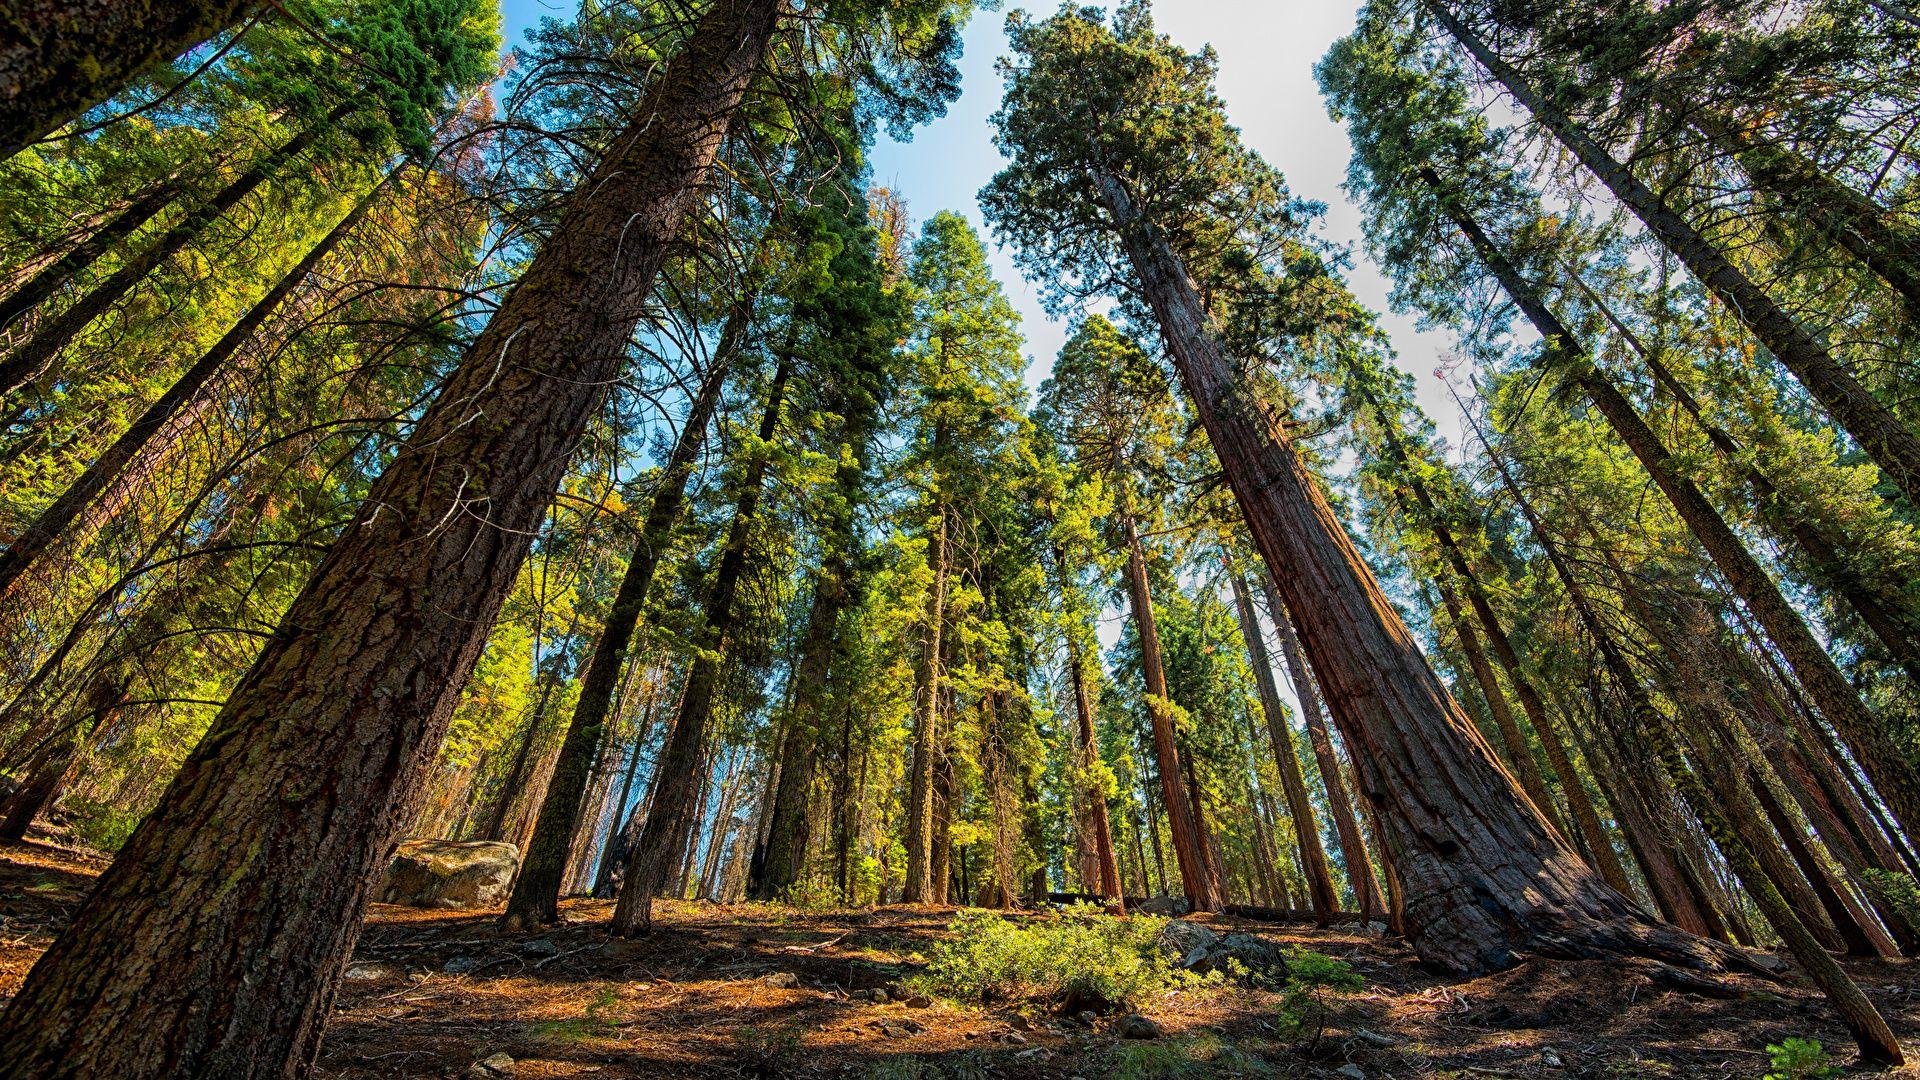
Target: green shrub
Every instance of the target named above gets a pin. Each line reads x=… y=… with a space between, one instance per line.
x=1798 y=1059
x=1183 y=1059
x=100 y=825
x=1083 y=954
x=1312 y=978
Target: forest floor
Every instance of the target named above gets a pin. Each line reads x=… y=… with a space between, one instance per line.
x=440 y=994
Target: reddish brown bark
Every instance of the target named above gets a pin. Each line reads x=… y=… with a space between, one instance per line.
x=213 y=943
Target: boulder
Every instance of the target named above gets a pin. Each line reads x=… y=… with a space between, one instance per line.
x=1136 y=1027
x=449 y=873
x=1197 y=949
x=1163 y=905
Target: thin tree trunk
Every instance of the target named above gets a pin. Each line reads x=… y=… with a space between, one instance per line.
x=919 y=885
x=1881 y=434
x=34 y=356
x=1108 y=881
x=535 y=900
x=155 y=426
x=1717 y=814
x=1306 y=828
x=60 y=271
x=1353 y=847
x=1202 y=890
x=1519 y=754
x=673 y=777
x=63 y=57
x=1452 y=815
x=241 y=893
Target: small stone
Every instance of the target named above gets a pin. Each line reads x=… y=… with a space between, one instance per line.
x=1551 y=1060
x=1019 y=1023
x=493 y=1065
x=1013 y=1037
x=1352 y=1072
x=916 y=1001
x=539 y=947
x=460 y=965
x=1035 y=1053
x=368 y=973
x=783 y=980
x=1135 y=1026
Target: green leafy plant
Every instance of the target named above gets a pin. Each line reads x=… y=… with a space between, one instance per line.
x=101 y=825
x=596 y=1022
x=1798 y=1059
x=1178 y=1059
x=1082 y=955
x=1306 y=995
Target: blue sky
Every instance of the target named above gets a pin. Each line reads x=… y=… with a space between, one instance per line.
x=1267 y=51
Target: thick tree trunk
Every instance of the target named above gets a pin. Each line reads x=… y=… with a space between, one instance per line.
x=1313 y=857
x=674 y=777
x=155 y=427
x=1353 y=847
x=535 y=900
x=63 y=57
x=58 y=272
x=213 y=943
x=1201 y=888
x=1890 y=443
x=34 y=356
x=1484 y=874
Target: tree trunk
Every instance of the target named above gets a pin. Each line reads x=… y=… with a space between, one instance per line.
x=1885 y=439
x=1313 y=857
x=1870 y=1030
x=1519 y=754
x=62 y=57
x=1483 y=873
x=1110 y=888
x=155 y=428
x=535 y=900
x=58 y=272
x=919 y=885
x=34 y=356
x=650 y=864
x=1201 y=888
x=1353 y=847
x=1886 y=761
x=213 y=943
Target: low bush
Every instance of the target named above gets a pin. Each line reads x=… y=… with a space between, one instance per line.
x=1081 y=955
x=100 y=825
x=1798 y=1059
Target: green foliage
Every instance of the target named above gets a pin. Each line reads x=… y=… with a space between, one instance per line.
x=100 y=824
x=1306 y=997
x=1079 y=953
x=1798 y=1059
x=1178 y=1059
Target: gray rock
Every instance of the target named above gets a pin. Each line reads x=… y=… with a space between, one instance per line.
x=1163 y=905
x=493 y=1065
x=1374 y=1038
x=1352 y=1072
x=1197 y=949
x=460 y=965
x=368 y=973
x=449 y=873
x=1135 y=1026
x=1188 y=943
x=1019 y=1023
x=1551 y=1060
x=540 y=947
x=783 y=980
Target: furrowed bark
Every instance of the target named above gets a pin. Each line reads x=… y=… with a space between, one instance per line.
x=1484 y=875
x=213 y=943
x=1353 y=846
x=63 y=57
